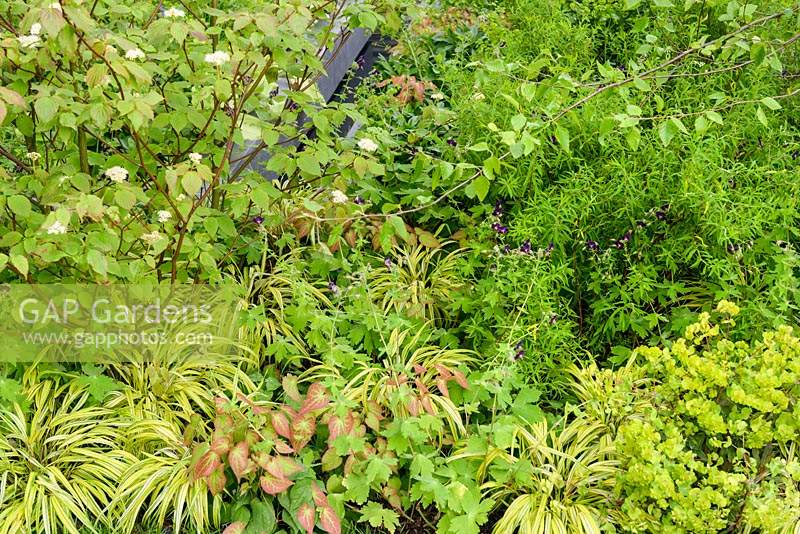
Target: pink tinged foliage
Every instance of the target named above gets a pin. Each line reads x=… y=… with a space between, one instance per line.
x=329 y=521
x=235 y=528
x=281 y=425
x=239 y=459
x=206 y=465
x=274 y=485
x=305 y=516
x=216 y=480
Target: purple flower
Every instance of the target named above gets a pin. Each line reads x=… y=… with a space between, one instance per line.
x=526 y=247
x=499 y=228
x=549 y=248
x=660 y=215
x=592 y=245
x=519 y=352
x=498 y=208
x=641 y=224
x=617 y=244
x=292 y=105
x=388 y=263
x=452 y=142
x=503 y=230
x=258 y=219
x=333 y=287
x=506 y=249
x=358 y=200
x=553 y=318
x=732 y=249
x=627 y=236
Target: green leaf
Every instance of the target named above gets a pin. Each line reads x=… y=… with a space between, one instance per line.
x=762 y=118
x=262 y=518
x=666 y=131
x=46 y=108
x=97 y=261
x=20 y=263
x=378 y=516
x=631 y=4
x=124 y=198
x=379 y=469
x=20 y=205
x=309 y=163
x=479 y=147
x=713 y=116
x=191 y=182
x=98 y=385
x=562 y=136
x=771 y=103
x=479 y=187
x=399 y=227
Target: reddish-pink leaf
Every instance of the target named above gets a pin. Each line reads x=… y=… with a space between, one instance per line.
x=441 y=385
x=329 y=521
x=461 y=379
x=239 y=459
x=425 y=400
x=221 y=445
x=419 y=369
x=235 y=528
x=206 y=465
x=443 y=371
x=414 y=406
x=223 y=424
x=305 y=516
x=320 y=499
x=281 y=425
x=221 y=404
x=303 y=430
x=316 y=398
x=216 y=481
x=274 y=485
x=339 y=426
x=283 y=447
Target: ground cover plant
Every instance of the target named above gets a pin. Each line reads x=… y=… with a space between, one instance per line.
x=550 y=285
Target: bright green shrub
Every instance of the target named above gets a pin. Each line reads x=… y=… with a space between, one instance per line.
x=714 y=446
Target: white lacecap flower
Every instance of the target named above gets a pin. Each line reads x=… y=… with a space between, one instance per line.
x=478 y=96
x=164 y=216
x=117 y=174
x=36 y=28
x=337 y=197
x=437 y=96
x=217 y=58
x=174 y=12
x=56 y=228
x=181 y=197
x=33 y=156
x=367 y=144
x=195 y=158
x=28 y=41
x=134 y=53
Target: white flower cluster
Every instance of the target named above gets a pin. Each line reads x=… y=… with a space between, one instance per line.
x=134 y=54
x=117 y=174
x=164 y=216
x=56 y=6
x=367 y=144
x=337 y=197
x=56 y=228
x=195 y=158
x=33 y=156
x=174 y=13
x=33 y=39
x=217 y=58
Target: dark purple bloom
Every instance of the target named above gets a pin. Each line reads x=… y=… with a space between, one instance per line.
x=358 y=200
x=660 y=215
x=617 y=244
x=592 y=245
x=452 y=142
x=292 y=105
x=273 y=93
x=549 y=248
x=526 y=247
x=258 y=219
x=733 y=248
x=499 y=228
x=641 y=224
x=627 y=236
x=519 y=352
x=498 y=208
x=388 y=263
x=553 y=318
x=496 y=226
x=506 y=249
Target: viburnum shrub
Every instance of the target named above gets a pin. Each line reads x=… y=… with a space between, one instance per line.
x=129 y=120
x=712 y=446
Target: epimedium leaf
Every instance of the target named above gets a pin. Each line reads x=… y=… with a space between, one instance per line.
x=306 y=517
x=274 y=485
x=329 y=521
x=239 y=459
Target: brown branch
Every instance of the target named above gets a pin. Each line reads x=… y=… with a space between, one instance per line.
x=14 y=159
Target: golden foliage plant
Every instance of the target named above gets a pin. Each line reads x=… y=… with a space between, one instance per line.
x=60 y=459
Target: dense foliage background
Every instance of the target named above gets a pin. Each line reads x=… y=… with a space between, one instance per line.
x=550 y=286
